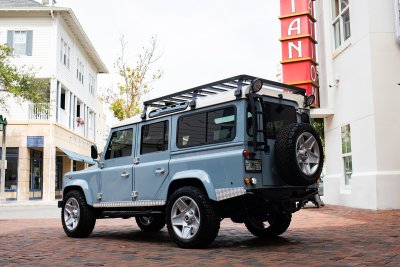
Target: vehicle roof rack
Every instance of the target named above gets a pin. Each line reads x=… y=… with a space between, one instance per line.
x=233 y=83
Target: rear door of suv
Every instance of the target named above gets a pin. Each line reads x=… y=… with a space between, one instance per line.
x=153 y=155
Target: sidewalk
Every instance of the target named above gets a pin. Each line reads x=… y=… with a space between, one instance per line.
x=29 y=209
x=28 y=203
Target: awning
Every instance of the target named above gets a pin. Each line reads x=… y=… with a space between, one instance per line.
x=78 y=157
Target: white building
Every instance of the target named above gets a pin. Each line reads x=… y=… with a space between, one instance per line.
x=40 y=140
x=359 y=74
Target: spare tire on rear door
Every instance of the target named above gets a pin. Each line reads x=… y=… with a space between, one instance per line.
x=298 y=154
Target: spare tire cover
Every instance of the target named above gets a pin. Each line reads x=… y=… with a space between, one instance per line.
x=299 y=154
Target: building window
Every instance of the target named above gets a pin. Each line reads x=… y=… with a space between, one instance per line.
x=20 y=42
x=91 y=118
x=154 y=137
x=78 y=109
x=341 y=21
x=62 y=101
x=91 y=84
x=65 y=53
x=11 y=178
x=346 y=154
x=79 y=70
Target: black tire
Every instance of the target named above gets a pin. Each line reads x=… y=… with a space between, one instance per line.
x=274 y=227
x=286 y=158
x=87 y=217
x=150 y=223
x=209 y=219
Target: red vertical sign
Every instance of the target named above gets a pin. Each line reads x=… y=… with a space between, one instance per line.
x=299 y=60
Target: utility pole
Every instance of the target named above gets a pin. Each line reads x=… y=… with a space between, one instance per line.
x=3 y=126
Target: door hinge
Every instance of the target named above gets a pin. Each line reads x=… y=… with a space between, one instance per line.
x=134 y=195
x=136 y=160
x=99 y=196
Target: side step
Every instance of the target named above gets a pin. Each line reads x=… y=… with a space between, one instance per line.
x=128 y=213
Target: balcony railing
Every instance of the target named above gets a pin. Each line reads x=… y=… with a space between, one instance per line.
x=39 y=111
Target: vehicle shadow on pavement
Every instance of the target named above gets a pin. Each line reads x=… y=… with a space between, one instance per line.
x=160 y=237
x=228 y=237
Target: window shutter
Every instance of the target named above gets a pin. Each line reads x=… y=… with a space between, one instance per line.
x=29 y=37
x=10 y=40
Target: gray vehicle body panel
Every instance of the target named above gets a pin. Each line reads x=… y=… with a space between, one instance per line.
x=218 y=166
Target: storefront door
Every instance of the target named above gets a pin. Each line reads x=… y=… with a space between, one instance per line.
x=36 y=178
x=59 y=177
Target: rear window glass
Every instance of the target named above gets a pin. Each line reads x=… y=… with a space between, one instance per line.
x=278 y=116
x=207 y=127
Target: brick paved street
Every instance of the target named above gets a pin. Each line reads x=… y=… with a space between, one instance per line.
x=328 y=236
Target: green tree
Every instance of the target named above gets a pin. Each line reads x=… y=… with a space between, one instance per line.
x=318 y=125
x=20 y=82
x=135 y=81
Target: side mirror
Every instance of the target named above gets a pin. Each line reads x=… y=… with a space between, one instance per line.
x=93 y=152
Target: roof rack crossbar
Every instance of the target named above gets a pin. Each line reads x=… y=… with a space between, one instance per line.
x=197 y=94
x=227 y=85
x=180 y=98
x=218 y=89
x=208 y=91
x=234 y=83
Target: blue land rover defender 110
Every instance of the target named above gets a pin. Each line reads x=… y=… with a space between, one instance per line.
x=240 y=148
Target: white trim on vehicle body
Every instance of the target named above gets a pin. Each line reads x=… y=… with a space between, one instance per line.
x=139 y=203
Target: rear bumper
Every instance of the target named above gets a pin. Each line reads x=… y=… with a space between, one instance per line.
x=291 y=199
x=284 y=193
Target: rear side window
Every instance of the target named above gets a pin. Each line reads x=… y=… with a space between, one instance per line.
x=207 y=127
x=278 y=116
x=154 y=137
x=120 y=144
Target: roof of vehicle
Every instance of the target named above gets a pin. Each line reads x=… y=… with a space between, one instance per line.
x=218 y=92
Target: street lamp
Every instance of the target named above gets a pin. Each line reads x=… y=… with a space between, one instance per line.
x=3 y=126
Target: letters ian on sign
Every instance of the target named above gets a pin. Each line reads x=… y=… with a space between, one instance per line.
x=299 y=58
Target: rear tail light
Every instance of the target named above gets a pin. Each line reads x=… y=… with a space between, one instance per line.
x=246 y=153
x=251 y=180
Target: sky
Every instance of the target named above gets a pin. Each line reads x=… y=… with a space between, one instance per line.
x=199 y=41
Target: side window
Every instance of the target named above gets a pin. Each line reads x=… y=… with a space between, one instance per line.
x=192 y=130
x=120 y=144
x=154 y=137
x=207 y=127
x=220 y=125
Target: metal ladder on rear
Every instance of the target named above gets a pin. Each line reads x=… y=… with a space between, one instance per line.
x=257 y=101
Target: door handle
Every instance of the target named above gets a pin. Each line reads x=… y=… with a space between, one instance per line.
x=125 y=175
x=159 y=171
